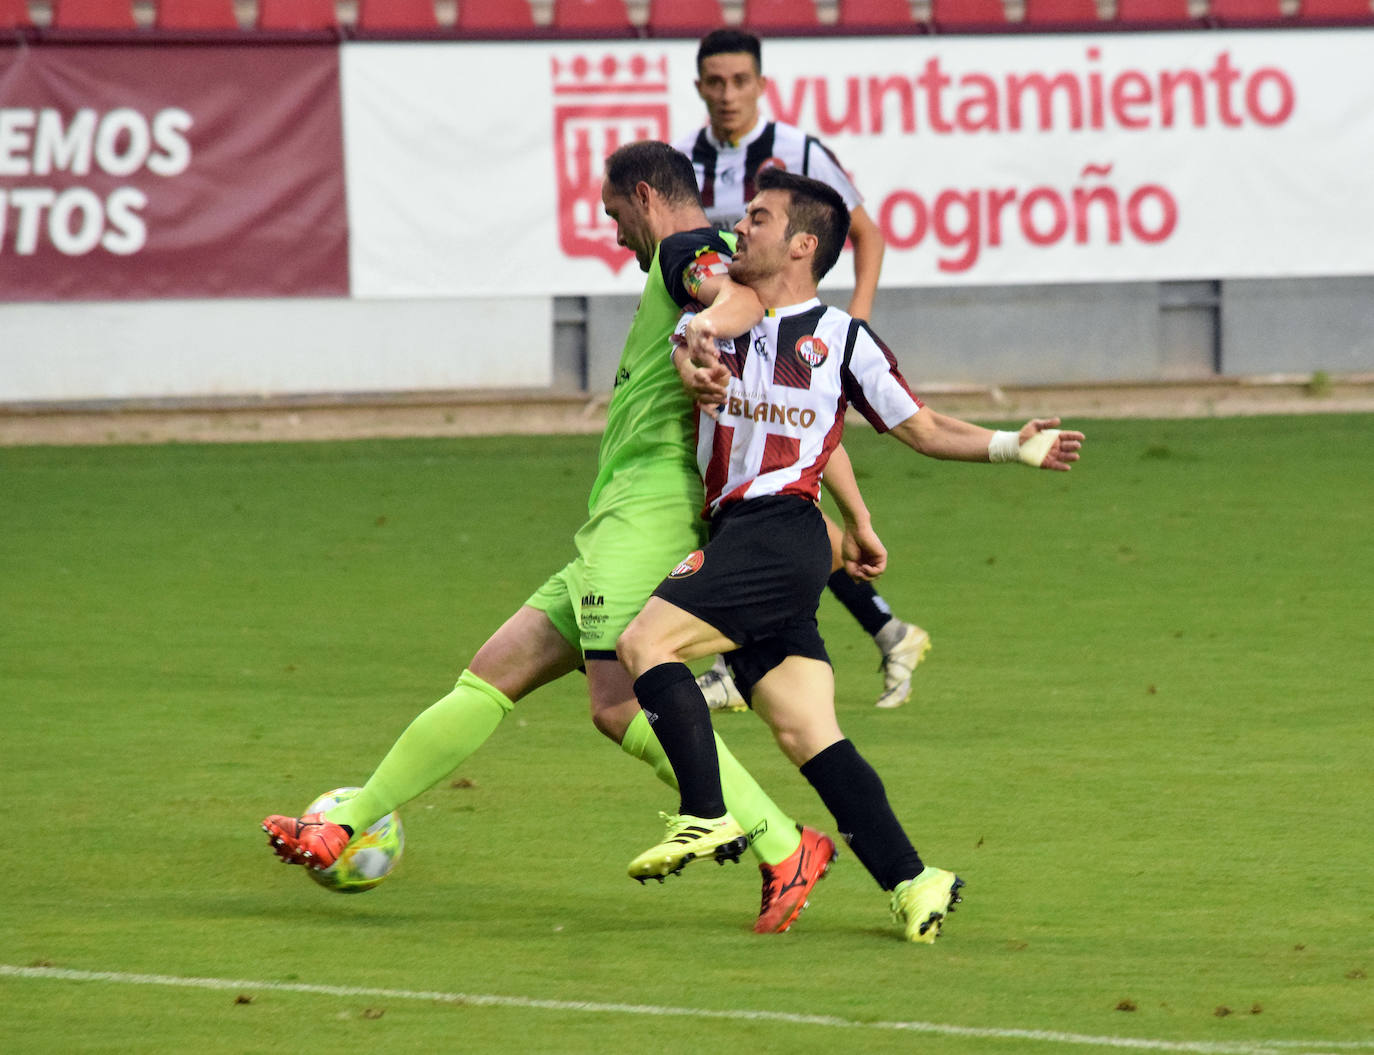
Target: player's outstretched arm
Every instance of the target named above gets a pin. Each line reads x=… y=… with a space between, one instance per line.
x=869 y=247
x=1039 y=443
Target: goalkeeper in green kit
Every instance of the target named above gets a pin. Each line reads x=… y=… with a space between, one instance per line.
x=643 y=518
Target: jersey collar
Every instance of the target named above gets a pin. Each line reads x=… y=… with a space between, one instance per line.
x=744 y=140
x=792 y=309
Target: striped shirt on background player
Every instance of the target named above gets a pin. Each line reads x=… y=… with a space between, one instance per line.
x=726 y=170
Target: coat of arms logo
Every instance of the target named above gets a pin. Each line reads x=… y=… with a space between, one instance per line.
x=601 y=104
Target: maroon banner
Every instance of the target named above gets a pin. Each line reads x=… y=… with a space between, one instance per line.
x=171 y=171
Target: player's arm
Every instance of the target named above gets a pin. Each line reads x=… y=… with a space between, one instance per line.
x=1039 y=442
x=863 y=553
x=842 y=486
x=869 y=246
x=731 y=310
x=707 y=382
x=877 y=389
x=697 y=273
x=705 y=279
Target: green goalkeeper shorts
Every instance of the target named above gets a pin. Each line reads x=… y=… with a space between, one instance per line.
x=624 y=551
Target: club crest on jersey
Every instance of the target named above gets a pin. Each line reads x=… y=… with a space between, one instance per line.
x=812 y=350
x=600 y=103
x=690 y=565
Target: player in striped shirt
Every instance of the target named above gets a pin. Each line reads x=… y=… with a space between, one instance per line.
x=778 y=394
x=727 y=155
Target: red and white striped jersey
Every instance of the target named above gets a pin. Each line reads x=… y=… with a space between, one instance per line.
x=791 y=378
x=726 y=171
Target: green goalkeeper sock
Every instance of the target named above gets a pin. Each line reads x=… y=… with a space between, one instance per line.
x=773 y=836
x=434 y=745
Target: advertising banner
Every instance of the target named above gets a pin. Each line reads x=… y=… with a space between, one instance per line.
x=451 y=169
x=475 y=168
x=171 y=171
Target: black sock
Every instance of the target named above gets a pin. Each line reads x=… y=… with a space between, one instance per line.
x=862 y=600
x=681 y=720
x=852 y=790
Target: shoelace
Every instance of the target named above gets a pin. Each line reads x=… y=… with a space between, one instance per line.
x=770 y=885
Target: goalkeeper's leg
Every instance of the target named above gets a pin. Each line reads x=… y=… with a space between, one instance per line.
x=528 y=651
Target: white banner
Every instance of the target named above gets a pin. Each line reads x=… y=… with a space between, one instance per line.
x=474 y=169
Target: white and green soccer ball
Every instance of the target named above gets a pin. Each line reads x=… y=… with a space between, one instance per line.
x=370 y=855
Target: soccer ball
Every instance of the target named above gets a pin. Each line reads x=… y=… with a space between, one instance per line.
x=369 y=857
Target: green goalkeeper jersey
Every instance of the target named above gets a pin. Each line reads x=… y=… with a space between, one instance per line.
x=649 y=444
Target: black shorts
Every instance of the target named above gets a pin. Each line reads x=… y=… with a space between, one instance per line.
x=749 y=663
x=759 y=581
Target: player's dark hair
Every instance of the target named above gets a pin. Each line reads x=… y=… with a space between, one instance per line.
x=667 y=170
x=728 y=42
x=814 y=208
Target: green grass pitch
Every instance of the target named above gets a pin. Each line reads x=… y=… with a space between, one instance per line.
x=1144 y=737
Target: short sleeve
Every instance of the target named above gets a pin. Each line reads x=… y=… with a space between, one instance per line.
x=821 y=164
x=688 y=258
x=873 y=383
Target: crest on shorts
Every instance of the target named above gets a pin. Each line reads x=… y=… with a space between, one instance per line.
x=690 y=565
x=812 y=350
x=600 y=103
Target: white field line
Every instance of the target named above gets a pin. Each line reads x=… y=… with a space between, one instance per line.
x=590 y=1007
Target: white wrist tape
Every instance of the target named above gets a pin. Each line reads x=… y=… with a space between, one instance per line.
x=1003 y=447
x=1006 y=447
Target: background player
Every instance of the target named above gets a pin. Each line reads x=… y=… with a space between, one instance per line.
x=727 y=155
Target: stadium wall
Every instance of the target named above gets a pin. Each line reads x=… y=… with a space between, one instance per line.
x=424 y=216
